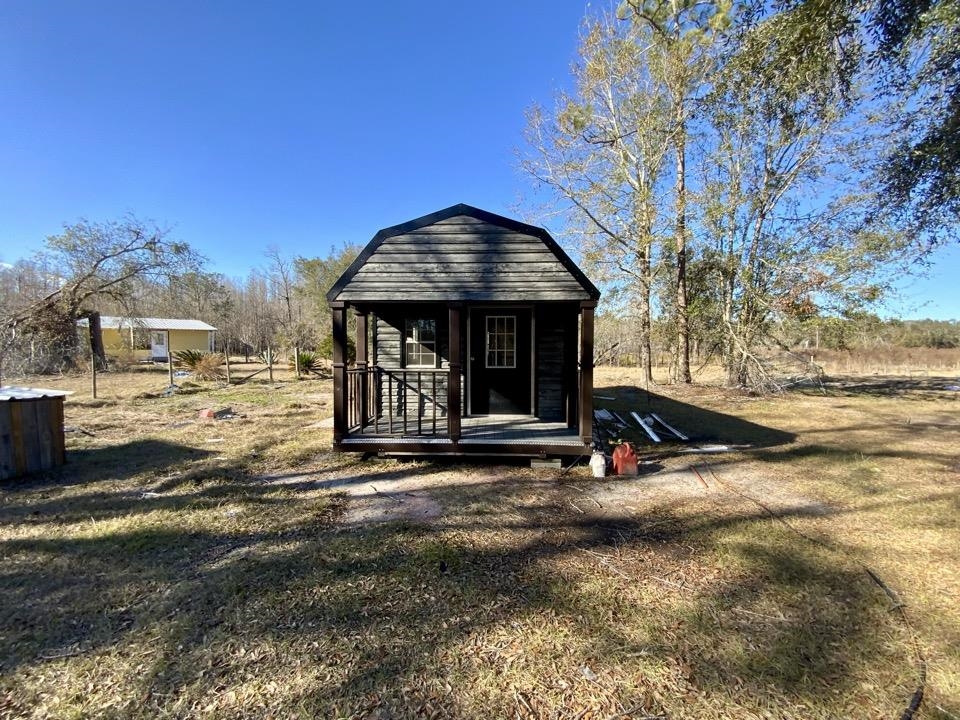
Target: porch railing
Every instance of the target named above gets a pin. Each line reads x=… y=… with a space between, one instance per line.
x=397 y=402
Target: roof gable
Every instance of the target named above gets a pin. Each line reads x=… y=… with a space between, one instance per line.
x=462 y=253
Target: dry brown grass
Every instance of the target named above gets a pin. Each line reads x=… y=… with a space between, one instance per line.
x=186 y=568
x=891 y=361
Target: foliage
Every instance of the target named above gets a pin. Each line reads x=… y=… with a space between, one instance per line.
x=604 y=152
x=309 y=362
x=103 y=260
x=267 y=356
x=684 y=167
x=907 y=53
x=315 y=276
x=867 y=331
x=325 y=348
x=45 y=342
x=203 y=365
x=188 y=358
x=785 y=233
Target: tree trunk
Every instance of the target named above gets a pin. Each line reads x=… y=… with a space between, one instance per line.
x=96 y=341
x=682 y=363
x=646 y=360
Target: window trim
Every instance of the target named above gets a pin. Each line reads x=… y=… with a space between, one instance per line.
x=410 y=336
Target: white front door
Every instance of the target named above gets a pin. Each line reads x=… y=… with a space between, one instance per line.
x=158 y=345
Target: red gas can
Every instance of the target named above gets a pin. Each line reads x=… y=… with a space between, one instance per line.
x=624 y=460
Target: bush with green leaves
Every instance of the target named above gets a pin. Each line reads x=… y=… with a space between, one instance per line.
x=325 y=348
x=310 y=362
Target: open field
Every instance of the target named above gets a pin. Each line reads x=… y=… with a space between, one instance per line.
x=233 y=568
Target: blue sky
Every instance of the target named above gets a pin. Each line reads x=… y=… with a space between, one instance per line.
x=298 y=125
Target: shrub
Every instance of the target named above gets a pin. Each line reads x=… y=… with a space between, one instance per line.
x=325 y=348
x=203 y=365
x=267 y=357
x=310 y=362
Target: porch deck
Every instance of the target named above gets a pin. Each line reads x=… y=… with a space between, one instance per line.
x=480 y=435
x=516 y=429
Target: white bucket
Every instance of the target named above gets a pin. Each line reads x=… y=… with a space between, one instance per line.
x=598 y=463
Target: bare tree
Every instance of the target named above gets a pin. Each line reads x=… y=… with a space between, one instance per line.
x=94 y=262
x=603 y=151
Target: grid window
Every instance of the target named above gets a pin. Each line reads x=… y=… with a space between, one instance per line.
x=420 y=345
x=501 y=341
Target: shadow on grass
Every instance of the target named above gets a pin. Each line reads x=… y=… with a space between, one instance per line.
x=698 y=423
x=882 y=386
x=288 y=612
x=119 y=462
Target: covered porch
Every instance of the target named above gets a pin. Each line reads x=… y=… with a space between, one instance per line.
x=422 y=411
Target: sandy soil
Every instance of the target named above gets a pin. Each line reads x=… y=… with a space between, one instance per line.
x=414 y=494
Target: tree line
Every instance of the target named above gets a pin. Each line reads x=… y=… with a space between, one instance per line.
x=130 y=268
x=619 y=343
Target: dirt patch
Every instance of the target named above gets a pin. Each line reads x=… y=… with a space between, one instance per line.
x=403 y=498
x=421 y=495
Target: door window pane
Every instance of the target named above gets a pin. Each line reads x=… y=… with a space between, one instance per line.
x=501 y=341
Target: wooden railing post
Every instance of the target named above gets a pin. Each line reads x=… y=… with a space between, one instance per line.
x=586 y=370
x=362 y=354
x=339 y=312
x=453 y=379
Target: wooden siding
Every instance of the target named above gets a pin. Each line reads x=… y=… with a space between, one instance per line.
x=31 y=436
x=551 y=352
x=462 y=258
x=417 y=395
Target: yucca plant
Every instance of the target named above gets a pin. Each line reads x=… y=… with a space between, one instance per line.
x=203 y=365
x=188 y=358
x=310 y=362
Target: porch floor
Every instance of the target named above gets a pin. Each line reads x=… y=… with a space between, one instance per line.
x=515 y=429
x=482 y=430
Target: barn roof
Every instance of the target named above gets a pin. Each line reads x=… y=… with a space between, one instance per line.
x=462 y=253
x=115 y=323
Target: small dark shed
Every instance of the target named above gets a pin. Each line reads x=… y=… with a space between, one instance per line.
x=31 y=430
x=474 y=336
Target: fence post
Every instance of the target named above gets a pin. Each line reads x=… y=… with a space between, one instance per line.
x=169 y=359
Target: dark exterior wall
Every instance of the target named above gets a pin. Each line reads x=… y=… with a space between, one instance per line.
x=389 y=326
x=556 y=340
x=556 y=348
x=388 y=333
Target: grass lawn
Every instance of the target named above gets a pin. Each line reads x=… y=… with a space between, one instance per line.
x=236 y=568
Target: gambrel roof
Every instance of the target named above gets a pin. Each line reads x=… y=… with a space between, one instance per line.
x=462 y=253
